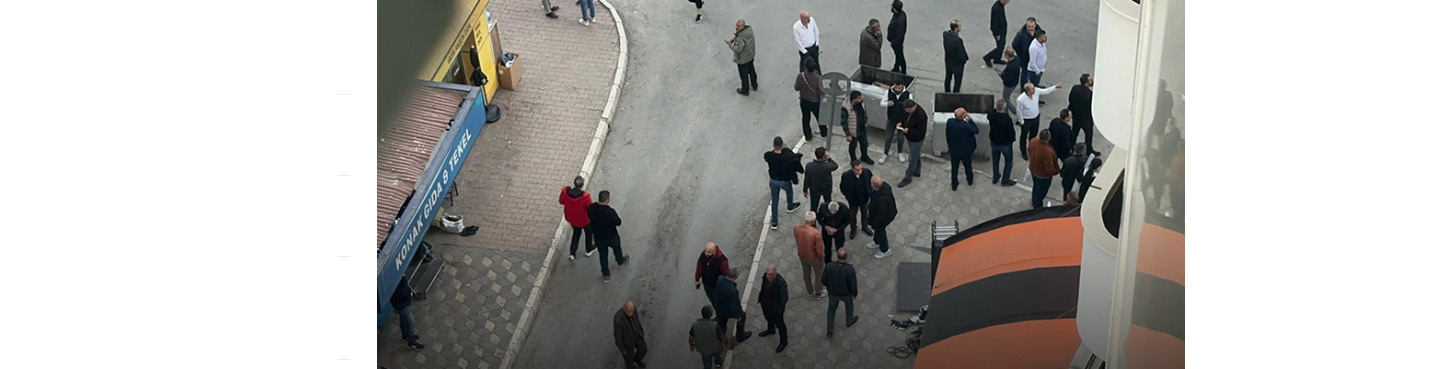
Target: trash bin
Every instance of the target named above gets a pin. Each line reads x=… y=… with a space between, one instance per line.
x=874 y=83
x=975 y=104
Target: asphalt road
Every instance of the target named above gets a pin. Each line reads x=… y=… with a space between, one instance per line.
x=683 y=160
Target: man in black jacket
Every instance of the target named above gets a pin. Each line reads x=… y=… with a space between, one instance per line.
x=728 y=304
x=401 y=299
x=1009 y=77
x=893 y=104
x=832 y=218
x=1002 y=136
x=1022 y=46
x=997 y=30
x=783 y=169
x=955 y=57
x=843 y=285
x=882 y=211
x=857 y=132
x=818 y=177
x=1071 y=170
x=914 y=129
x=960 y=136
x=627 y=332
x=896 y=37
x=1061 y=138
x=1080 y=105
x=604 y=222
x=773 y=297
x=854 y=185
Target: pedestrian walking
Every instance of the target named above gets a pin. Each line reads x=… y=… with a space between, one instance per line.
x=588 y=12
x=833 y=217
x=603 y=223
x=1002 y=136
x=1043 y=166
x=882 y=211
x=843 y=287
x=783 y=169
x=896 y=36
x=550 y=9
x=1092 y=170
x=810 y=254
x=773 y=298
x=1010 y=78
x=1071 y=169
x=1022 y=44
x=631 y=339
x=960 y=136
x=893 y=104
x=914 y=130
x=1036 y=65
x=729 y=304
x=713 y=341
x=575 y=201
x=870 y=42
x=997 y=31
x=1061 y=134
x=710 y=264
x=809 y=85
x=401 y=299
x=805 y=35
x=818 y=177
x=1029 y=110
x=854 y=185
x=955 y=57
x=744 y=50
x=1080 y=105
x=699 y=10
x=855 y=123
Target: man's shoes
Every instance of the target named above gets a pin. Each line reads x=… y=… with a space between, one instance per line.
x=552 y=15
x=1025 y=155
x=416 y=346
x=831 y=334
x=589 y=252
x=624 y=259
x=954 y=186
x=774 y=226
x=755 y=87
x=555 y=8
x=1043 y=102
x=1001 y=62
x=781 y=346
x=699 y=18
x=1007 y=183
x=819 y=296
x=605 y=278
x=903 y=183
x=881 y=255
x=871 y=162
x=916 y=174
x=742 y=92
x=903 y=158
x=870 y=245
x=572 y=257
x=766 y=333
x=996 y=180
x=745 y=336
x=640 y=363
x=852 y=233
x=583 y=22
x=794 y=206
x=851 y=322
x=881 y=159
x=987 y=63
x=869 y=232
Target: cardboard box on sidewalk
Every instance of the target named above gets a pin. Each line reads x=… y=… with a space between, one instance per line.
x=509 y=76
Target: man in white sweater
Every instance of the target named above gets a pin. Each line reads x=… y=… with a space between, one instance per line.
x=1028 y=107
x=1037 y=65
x=805 y=36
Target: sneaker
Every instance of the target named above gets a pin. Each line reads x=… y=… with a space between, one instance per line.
x=552 y=15
x=572 y=258
x=605 y=279
x=699 y=19
x=774 y=226
x=903 y=158
x=416 y=346
x=591 y=251
x=583 y=22
x=881 y=255
x=881 y=160
x=870 y=245
x=794 y=206
x=624 y=259
x=851 y=322
x=818 y=296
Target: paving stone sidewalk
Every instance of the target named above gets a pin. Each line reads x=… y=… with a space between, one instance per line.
x=509 y=188
x=864 y=345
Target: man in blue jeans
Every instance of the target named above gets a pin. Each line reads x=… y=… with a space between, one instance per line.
x=588 y=12
x=403 y=296
x=915 y=125
x=1002 y=136
x=783 y=169
x=1044 y=165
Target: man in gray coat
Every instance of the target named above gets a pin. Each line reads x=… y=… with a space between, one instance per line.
x=870 y=42
x=707 y=339
x=744 y=49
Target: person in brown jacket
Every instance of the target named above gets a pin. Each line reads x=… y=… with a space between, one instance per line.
x=810 y=254
x=1043 y=166
x=870 y=42
x=631 y=339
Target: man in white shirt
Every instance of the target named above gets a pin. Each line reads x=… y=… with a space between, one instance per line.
x=1028 y=108
x=1037 y=65
x=805 y=35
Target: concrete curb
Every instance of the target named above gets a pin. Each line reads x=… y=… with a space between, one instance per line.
x=727 y=361
x=517 y=339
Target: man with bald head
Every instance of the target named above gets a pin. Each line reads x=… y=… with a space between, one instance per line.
x=710 y=264
x=960 y=136
x=805 y=36
x=843 y=286
x=1028 y=108
x=773 y=298
x=631 y=339
x=811 y=254
x=882 y=211
x=744 y=50
x=834 y=219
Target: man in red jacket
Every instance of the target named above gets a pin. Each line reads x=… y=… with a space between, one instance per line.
x=576 y=200
x=710 y=264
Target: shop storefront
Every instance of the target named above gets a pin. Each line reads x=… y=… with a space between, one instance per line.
x=473 y=46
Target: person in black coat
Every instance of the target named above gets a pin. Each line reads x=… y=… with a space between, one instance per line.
x=1002 y=135
x=1061 y=134
x=818 y=177
x=832 y=218
x=630 y=338
x=896 y=37
x=1022 y=46
x=1009 y=77
x=728 y=304
x=603 y=223
x=1080 y=105
x=854 y=185
x=955 y=57
x=773 y=298
x=960 y=136
x=401 y=299
x=997 y=30
x=843 y=285
x=882 y=211
x=1071 y=169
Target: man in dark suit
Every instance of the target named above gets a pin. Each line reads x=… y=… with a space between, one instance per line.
x=773 y=297
x=631 y=339
x=955 y=57
x=1080 y=106
x=960 y=135
x=997 y=30
x=896 y=37
x=854 y=185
